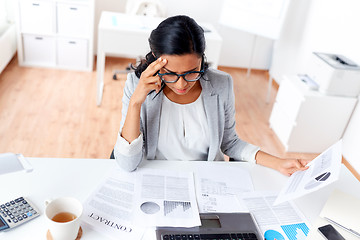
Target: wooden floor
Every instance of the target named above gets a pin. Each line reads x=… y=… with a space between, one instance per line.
x=53 y=113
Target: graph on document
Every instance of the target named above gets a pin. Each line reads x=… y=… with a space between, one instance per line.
x=292 y=231
x=177 y=209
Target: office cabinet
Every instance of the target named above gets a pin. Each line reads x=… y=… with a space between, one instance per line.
x=36 y=16
x=56 y=33
x=306 y=120
x=72 y=53
x=39 y=50
x=73 y=19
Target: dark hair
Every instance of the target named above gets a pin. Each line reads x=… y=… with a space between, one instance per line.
x=177 y=35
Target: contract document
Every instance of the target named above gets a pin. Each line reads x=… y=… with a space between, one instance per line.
x=322 y=171
x=109 y=209
x=146 y=197
x=217 y=187
x=284 y=221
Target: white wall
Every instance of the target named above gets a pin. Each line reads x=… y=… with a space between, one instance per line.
x=289 y=49
x=236 y=48
x=325 y=26
x=351 y=140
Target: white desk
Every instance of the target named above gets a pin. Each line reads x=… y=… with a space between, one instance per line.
x=54 y=177
x=127 y=36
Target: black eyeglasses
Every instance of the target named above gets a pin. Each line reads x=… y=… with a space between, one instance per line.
x=191 y=76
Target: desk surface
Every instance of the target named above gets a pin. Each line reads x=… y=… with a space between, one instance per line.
x=55 y=177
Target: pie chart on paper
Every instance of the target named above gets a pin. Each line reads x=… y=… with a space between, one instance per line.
x=317 y=180
x=273 y=235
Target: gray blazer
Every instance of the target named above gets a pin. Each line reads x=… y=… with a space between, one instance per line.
x=219 y=103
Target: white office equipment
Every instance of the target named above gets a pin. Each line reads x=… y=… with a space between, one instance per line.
x=306 y=120
x=11 y=162
x=335 y=74
x=57 y=33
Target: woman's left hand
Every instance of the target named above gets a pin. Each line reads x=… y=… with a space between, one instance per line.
x=283 y=165
x=289 y=166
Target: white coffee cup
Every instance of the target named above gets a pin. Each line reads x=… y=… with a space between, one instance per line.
x=63 y=230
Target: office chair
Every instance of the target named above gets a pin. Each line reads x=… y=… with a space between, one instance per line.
x=152 y=8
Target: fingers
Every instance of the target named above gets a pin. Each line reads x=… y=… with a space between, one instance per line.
x=149 y=80
x=155 y=66
x=305 y=162
x=298 y=165
x=290 y=166
x=149 y=75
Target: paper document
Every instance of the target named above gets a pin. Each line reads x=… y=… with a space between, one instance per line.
x=283 y=221
x=11 y=162
x=109 y=209
x=217 y=186
x=166 y=198
x=322 y=171
x=146 y=197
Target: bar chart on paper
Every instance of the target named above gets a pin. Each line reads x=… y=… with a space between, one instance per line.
x=296 y=231
x=177 y=208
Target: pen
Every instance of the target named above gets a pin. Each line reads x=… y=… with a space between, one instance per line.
x=345 y=228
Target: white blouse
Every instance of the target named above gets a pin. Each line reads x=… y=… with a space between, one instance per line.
x=184 y=133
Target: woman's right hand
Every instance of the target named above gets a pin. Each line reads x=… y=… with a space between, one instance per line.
x=148 y=81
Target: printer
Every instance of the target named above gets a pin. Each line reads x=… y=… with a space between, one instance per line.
x=335 y=74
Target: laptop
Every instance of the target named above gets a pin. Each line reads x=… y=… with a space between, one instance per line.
x=215 y=226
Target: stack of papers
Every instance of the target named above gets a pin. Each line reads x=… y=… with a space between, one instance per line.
x=125 y=204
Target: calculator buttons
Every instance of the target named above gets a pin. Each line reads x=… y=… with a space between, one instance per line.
x=16 y=212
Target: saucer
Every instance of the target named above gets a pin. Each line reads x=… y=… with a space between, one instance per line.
x=49 y=237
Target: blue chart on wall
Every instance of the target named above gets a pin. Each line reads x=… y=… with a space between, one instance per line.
x=273 y=235
x=292 y=231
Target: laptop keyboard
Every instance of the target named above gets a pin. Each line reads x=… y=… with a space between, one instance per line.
x=220 y=236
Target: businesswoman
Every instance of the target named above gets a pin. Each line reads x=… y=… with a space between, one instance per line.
x=176 y=108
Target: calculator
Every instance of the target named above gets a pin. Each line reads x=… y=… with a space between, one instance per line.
x=16 y=212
